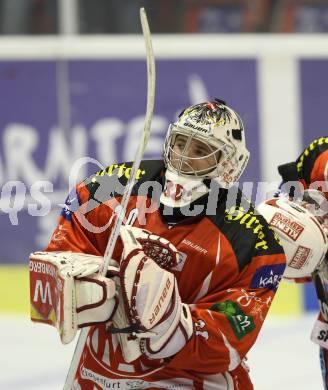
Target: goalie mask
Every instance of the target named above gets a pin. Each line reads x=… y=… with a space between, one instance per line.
x=206 y=142
x=300 y=233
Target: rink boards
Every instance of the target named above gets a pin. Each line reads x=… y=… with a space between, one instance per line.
x=291 y=299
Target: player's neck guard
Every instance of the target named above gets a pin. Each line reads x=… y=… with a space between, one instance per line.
x=179 y=215
x=181 y=191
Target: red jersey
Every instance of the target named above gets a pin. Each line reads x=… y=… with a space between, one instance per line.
x=312 y=164
x=310 y=168
x=231 y=266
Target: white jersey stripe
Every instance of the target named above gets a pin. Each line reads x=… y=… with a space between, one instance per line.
x=203 y=291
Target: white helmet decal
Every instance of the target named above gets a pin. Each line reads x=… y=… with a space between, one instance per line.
x=216 y=126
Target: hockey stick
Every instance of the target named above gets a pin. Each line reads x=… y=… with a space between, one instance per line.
x=151 y=74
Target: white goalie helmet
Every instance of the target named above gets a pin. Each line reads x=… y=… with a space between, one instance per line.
x=216 y=128
x=300 y=233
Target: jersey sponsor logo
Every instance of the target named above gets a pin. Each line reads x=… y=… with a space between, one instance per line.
x=107 y=383
x=246 y=298
x=241 y=323
x=310 y=148
x=268 y=276
x=323 y=335
x=198 y=248
x=119 y=170
x=286 y=225
x=163 y=384
x=105 y=184
x=250 y=221
x=104 y=382
x=255 y=304
x=136 y=384
x=300 y=257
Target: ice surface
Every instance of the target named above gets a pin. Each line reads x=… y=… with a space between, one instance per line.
x=284 y=358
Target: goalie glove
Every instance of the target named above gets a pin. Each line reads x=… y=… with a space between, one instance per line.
x=66 y=292
x=157 y=319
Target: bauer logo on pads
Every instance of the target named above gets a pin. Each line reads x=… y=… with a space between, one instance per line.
x=268 y=276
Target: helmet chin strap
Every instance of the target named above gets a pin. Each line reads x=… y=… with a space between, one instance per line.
x=180 y=191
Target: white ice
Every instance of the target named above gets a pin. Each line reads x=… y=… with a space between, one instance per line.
x=32 y=357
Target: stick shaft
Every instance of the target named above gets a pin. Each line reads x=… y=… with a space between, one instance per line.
x=151 y=76
x=143 y=143
x=322 y=295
